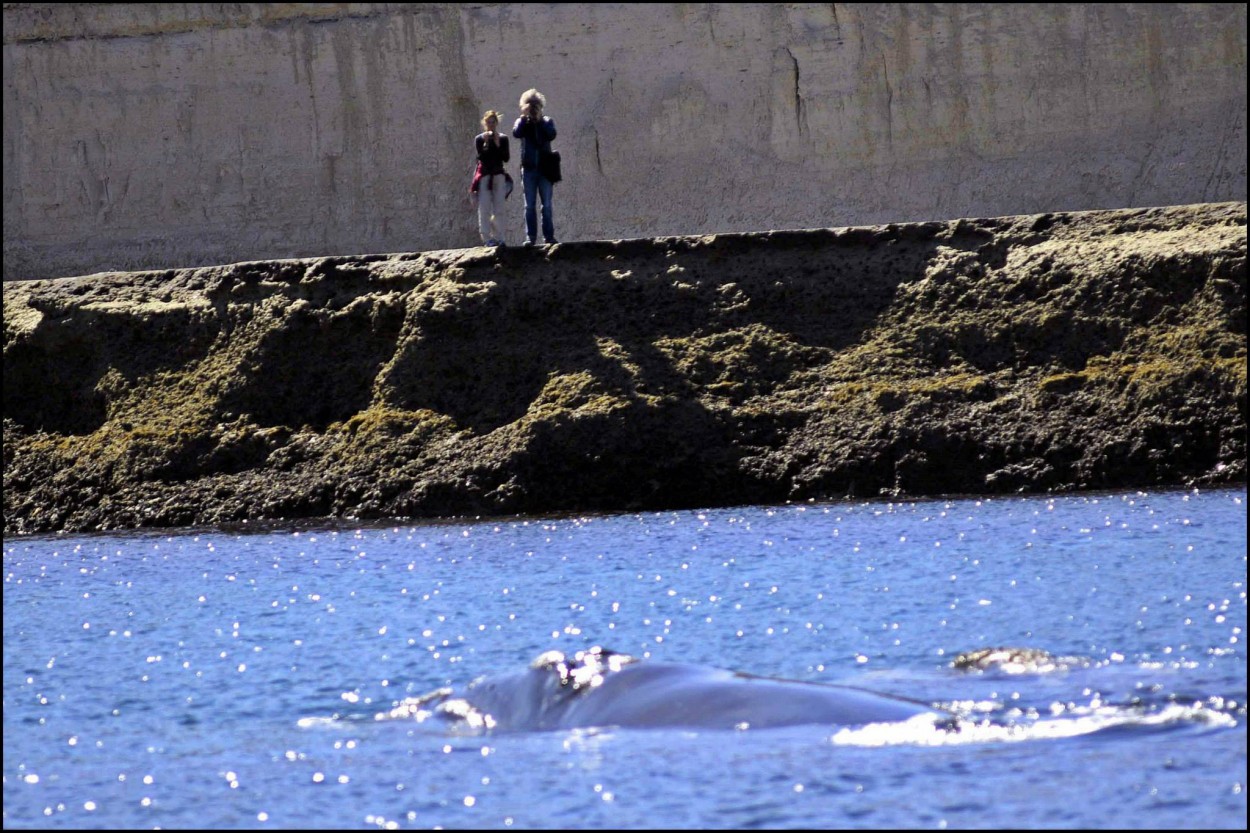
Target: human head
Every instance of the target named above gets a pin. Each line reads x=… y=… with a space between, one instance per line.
x=534 y=98
x=488 y=116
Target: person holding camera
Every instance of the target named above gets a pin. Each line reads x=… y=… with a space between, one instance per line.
x=492 y=183
x=535 y=132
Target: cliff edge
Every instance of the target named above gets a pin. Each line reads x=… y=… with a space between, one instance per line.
x=1051 y=352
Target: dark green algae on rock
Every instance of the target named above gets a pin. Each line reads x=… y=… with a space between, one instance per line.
x=1043 y=353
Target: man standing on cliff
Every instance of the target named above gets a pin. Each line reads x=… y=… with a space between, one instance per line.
x=535 y=132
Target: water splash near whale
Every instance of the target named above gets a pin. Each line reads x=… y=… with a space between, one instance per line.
x=1016 y=660
x=600 y=689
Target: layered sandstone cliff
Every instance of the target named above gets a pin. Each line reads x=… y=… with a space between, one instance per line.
x=162 y=135
x=1029 y=353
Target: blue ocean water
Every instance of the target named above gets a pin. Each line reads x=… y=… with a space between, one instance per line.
x=211 y=678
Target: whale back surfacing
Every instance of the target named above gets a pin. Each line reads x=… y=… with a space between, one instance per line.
x=680 y=695
x=598 y=688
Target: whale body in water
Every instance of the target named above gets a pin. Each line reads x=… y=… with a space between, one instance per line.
x=601 y=688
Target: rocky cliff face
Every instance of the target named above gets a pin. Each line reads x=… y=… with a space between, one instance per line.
x=1031 y=353
x=161 y=135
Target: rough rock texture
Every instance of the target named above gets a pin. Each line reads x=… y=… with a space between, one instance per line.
x=162 y=135
x=1032 y=353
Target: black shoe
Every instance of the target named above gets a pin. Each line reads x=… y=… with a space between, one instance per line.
x=551 y=241
x=528 y=243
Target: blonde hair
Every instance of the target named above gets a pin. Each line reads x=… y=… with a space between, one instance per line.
x=534 y=96
x=498 y=116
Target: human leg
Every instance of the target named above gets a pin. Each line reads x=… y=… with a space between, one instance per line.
x=484 y=208
x=549 y=226
x=530 y=180
x=498 y=218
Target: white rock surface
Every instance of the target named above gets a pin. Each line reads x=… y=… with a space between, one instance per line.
x=165 y=135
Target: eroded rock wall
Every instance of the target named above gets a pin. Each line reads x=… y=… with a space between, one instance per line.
x=1048 y=352
x=166 y=135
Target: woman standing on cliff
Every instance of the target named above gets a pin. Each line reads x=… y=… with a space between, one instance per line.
x=535 y=132
x=491 y=183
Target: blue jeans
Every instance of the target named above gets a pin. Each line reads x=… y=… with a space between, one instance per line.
x=537 y=185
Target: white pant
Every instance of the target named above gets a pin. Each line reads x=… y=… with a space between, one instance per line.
x=491 y=191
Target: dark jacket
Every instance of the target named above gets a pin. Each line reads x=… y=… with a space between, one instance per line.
x=533 y=136
x=491 y=157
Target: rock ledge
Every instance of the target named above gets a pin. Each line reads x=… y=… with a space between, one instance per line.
x=1044 y=353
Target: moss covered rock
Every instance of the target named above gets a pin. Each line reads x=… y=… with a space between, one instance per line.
x=1055 y=352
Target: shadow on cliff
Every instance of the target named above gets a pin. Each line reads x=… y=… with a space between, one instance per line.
x=314 y=361
x=631 y=367
x=627 y=310
x=625 y=362
x=308 y=360
x=61 y=376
